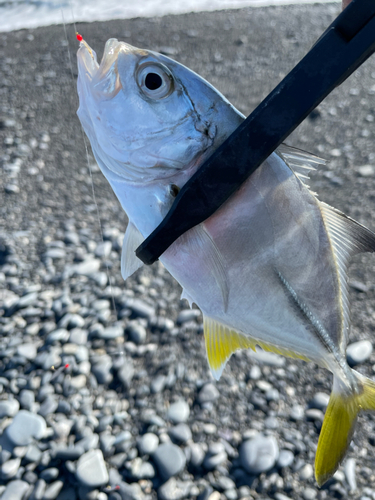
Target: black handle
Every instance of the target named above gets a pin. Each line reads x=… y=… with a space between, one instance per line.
x=342 y=48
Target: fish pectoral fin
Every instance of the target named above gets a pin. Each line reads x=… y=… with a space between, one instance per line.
x=339 y=422
x=211 y=259
x=129 y=261
x=221 y=342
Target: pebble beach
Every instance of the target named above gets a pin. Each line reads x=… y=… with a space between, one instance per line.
x=105 y=391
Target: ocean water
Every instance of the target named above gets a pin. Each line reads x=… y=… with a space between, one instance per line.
x=18 y=14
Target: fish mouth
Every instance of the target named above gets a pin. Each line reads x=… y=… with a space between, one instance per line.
x=103 y=78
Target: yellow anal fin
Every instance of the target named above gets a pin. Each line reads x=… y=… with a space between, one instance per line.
x=222 y=341
x=339 y=422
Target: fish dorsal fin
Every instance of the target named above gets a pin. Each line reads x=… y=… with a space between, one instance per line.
x=301 y=162
x=129 y=261
x=201 y=243
x=221 y=342
x=347 y=238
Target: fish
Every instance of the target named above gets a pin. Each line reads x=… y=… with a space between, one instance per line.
x=269 y=267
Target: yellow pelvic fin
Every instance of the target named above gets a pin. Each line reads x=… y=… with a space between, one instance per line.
x=222 y=341
x=339 y=423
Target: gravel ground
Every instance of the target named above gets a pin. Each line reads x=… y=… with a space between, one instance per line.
x=105 y=389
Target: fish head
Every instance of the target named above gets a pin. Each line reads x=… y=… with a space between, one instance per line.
x=148 y=117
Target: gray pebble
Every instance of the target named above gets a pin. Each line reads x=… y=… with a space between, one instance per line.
x=27 y=399
x=148 y=443
x=285 y=459
x=306 y=472
x=49 y=406
x=9 y=408
x=85 y=268
x=174 y=490
x=158 y=384
x=78 y=336
x=112 y=332
x=54 y=253
x=53 y=490
x=178 y=412
x=319 y=401
x=297 y=412
x=142 y=470
x=28 y=350
x=33 y=454
x=59 y=335
x=71 y=238
x=366 y=170
x=180 y=433
x=91 y=469
x=140 y=308
x=137 y=332
x=49 y=474
x=103 y=249
x=126 y=373
x=309 y=494
x=9 y=469
x=358 y=352
x=102 y=370
x=25 y=427
x=208 y=394
x=212 y=461
x=15 y=490
x=255 y=373
x=349 y=471
x=169 y=460
x=259 y=454
x=271 y=423
x=197 y=455
x=188 y=315
x=313 y=414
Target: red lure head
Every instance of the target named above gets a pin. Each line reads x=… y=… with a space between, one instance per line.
x=79 y=37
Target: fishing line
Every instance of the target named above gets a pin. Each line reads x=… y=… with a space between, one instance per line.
x=87 y=155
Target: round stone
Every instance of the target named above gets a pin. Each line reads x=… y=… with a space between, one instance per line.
x=174 y=490
x=91 y=469
x=349 y=470
x=358 y=352
x=285 y=459
x=148 y=443
x=9 y=469
x=306 y=472
x=319 y=401
x=208 y=394
x=259 y=454
x=53 y=490
x=9 y=408
x=180 y=433
x=27 y=350
x=169 y=460
x=137 y=332
x=15 y=490
x=178 y=412
x=309 y=494
x=25 y=427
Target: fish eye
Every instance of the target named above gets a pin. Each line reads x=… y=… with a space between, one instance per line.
x=154 y=80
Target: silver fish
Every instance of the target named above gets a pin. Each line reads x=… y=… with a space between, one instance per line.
x=269 y=268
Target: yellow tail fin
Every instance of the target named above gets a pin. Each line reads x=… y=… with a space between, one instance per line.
x=339 y=423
